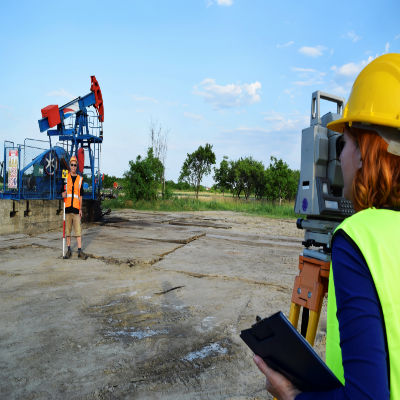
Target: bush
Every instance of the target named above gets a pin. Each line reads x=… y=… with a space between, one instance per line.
x=143 y=177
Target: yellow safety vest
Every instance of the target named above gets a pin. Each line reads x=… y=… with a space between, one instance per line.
x=73 y=192
x=376 y=232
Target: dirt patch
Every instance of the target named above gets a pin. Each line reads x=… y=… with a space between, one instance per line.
x=154 y=313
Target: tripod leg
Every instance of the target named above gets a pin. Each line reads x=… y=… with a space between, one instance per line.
x=312 y=326
x=294 y=314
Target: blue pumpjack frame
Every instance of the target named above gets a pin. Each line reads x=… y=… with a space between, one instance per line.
x=82 y=134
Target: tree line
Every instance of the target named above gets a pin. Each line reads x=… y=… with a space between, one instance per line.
x=250 y=177
x=243 y=177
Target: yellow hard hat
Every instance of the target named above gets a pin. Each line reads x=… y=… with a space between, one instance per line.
x=375 y=96
x=73 y=158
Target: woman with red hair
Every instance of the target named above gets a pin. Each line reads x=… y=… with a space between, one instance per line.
x=363 y=323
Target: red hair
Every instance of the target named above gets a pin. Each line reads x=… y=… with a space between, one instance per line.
x=377 y=182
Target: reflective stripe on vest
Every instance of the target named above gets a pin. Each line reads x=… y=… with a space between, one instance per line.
x=73 y=192
x=376 y=232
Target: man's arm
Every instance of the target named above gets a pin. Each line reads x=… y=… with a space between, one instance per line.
x=81 y=201
x=63 y=190
x=80 y=207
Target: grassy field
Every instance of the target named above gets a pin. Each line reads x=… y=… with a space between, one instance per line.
x=207 y=202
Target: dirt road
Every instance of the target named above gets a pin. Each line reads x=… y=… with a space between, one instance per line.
x=154 y=313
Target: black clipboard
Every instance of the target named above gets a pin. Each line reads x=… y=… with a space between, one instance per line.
x=285 y=350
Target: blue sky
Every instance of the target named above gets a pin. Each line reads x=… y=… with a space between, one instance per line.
x=237 y=74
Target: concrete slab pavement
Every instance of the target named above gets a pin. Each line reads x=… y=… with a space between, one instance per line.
x=159 y=318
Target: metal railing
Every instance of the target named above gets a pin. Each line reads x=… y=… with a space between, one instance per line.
x=32 y=171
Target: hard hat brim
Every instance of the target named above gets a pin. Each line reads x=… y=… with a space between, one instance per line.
x=339 y=124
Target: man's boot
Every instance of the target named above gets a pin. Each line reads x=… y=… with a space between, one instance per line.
x=68 y=253
x=82 y=255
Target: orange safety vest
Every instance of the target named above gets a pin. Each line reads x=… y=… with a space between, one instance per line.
x=73 y=192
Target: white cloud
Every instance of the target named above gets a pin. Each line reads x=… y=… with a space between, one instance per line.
x=308 y=76
x=351 y=69
x=344 y=76
x=247 y=130
x=230 y=95
x=353 y=36
x=251 y=89
x=287 y=44
x=144 y=99
x=314 y=52
x=60 y=93
x=193 y=116
x=341 y=90
x=226 y=3
x=387 y=46
x=309 y=82
x=289 y=92
x=278 y=122
x=297 y=69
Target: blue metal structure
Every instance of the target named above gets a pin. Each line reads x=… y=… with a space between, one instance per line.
x=38 y=175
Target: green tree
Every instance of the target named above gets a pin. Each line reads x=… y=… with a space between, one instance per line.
x=280 y=180
x=260 y=185
x=234 y=182
x=250 y=175
x=221 y=176
x=143 y=177
x=293 y=184
x=196 y=166
x=184 y=186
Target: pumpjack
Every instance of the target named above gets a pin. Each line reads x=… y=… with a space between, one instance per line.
x=34 y=171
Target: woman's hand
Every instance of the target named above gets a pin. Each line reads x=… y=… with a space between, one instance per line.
x=277 y=384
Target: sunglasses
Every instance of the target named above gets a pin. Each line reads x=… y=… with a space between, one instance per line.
x=339 y=146
x=72 y=165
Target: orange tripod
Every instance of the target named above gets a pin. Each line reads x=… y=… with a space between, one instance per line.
x=309 y=289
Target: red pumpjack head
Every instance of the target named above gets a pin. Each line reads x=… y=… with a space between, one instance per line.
x=95 y=88
x=52 y=113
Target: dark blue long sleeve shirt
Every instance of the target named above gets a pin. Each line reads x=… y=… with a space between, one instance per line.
x=362 y=334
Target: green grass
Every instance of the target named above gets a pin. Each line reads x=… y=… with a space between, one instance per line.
x=262 y=208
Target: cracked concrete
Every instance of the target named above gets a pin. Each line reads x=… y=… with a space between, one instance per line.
x=155 y=312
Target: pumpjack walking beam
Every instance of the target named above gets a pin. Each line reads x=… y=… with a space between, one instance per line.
x=79 y=128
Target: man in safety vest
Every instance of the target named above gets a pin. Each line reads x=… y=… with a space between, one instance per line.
x=73 y=207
